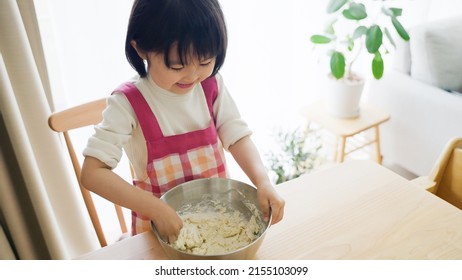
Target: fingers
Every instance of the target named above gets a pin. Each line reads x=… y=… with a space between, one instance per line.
x=169 y=230
x=173 y=235
x=269 y=200
x=277 y=210
x=265 y=212
x=265 y=207
x=278 y=214
x=172 y=238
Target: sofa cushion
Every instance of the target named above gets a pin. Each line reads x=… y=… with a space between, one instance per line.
x=436 y=53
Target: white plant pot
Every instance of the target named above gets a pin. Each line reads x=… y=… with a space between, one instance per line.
x=342 y=98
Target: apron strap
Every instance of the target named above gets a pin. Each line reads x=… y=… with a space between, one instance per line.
x=210 y=88
x=147 y=119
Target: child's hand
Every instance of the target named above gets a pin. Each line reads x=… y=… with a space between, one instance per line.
x=167 y=222
x=269 y=198
x=246 y=155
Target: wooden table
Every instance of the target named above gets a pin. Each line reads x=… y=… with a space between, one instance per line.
x=355 y=210
x=369 y=118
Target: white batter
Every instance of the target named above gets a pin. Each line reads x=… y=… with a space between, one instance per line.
x=215 y=230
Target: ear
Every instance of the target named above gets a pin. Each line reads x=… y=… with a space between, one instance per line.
x=140 y=53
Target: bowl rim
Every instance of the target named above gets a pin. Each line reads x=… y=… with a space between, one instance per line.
x=164 y=243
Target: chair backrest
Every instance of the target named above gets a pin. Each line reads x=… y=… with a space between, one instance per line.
x=447 y=173
x=78 y=117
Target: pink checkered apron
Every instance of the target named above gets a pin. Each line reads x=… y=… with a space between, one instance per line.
x=175 y=159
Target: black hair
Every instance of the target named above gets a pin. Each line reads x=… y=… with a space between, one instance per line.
x=196 y=26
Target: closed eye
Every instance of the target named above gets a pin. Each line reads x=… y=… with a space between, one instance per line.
x=177 y=67
x=206 y=62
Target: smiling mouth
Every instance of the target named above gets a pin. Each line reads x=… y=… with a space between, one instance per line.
x=184 y=85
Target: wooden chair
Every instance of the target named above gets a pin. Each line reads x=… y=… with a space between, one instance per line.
x=445 y=179
x=78 y=117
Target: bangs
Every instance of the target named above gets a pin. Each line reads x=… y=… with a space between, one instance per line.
x=204 y=48
x=202 y=36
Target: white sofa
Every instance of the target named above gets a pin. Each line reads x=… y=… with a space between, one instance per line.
x=421 y=95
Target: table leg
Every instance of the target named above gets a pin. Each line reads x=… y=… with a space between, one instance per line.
x=377 y=144
x=336 y=149
x=342 y=148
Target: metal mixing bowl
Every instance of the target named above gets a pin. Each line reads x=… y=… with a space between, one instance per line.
x=228 y=191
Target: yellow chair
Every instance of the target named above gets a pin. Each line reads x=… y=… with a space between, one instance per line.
x=78 y=117
x=445 y=179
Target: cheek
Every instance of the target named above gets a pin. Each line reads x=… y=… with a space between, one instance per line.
x=206 y=72
x=163 y=79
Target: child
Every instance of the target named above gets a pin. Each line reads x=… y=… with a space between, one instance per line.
x=175 y=119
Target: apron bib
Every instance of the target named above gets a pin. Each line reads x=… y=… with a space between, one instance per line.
x=175 y=159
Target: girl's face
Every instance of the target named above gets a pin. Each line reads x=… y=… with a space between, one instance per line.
x=178 y=78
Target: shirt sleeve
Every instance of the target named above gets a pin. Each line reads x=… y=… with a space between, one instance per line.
x=230 y=125
x=113 y=132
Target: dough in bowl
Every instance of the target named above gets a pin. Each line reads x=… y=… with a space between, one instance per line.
x=212 y=228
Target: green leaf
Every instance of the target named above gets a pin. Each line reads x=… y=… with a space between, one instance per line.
x=392 y=12
x=355 y=12
x=320 y=39
x=377 y=66
x=396 y=11
x=350 y=43
x=390 y=38
x=359 y=31
x=373 y=38
x=337 y=64
x=335 y=5
x=330 y=25
x=330 y=29
x=400 y=29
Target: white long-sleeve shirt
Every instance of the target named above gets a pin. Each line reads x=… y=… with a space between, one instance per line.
x=176 y=114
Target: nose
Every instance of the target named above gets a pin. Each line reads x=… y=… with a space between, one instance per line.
x=192 y=72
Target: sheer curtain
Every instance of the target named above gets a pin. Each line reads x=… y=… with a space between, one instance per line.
x=38 y=198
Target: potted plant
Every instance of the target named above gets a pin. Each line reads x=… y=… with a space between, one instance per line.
x=296 y=152
x=355 y=27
